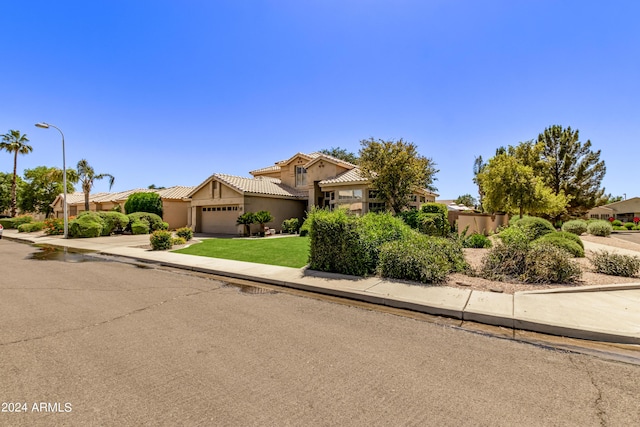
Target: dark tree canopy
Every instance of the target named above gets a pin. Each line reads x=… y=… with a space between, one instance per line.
x=144 y=202
x=572 y=167
x=396 y=170
x=341 y=153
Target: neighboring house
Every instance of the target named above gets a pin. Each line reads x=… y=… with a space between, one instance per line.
x=624 y=210
x=175 y=208
x=287 y=190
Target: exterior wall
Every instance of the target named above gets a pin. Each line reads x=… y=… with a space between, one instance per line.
x=212 y=195
x=288 y=171
x=175 y=212
x=478 y=223
x=624 y=210
x=280 y=209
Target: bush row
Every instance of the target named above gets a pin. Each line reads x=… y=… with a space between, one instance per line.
x=379 y=243
x=94 y=224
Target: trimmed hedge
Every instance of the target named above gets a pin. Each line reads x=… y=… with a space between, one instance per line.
x=87 y=224
x=291 y=225
x=152 y=221
x=576 y=226
x=31 y=227
x=535 y=227
x=113 y=221
x=343 y=243
x=562 y=241
x=16 y=222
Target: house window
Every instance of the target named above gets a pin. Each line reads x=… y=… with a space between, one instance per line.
x=373 y=194
x=349 y=194
x=423 y=199
x=301 y=176
x=376 y=207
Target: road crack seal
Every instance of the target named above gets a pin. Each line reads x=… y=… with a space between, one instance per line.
x=104 y=322
x=600 y=412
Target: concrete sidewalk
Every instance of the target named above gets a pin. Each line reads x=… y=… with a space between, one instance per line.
x=602 y=313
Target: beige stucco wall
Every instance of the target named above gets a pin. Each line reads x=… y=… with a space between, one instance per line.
x=280 y=209
x=176 y=213
x=478 y=223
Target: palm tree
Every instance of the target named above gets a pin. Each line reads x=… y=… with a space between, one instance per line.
x=262 y=217
x=86 y=176
x=16 y=143
x=246 y=219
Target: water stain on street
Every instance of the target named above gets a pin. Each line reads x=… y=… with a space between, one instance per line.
x=52 y=253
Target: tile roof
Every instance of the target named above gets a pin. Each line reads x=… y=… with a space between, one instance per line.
x=274 y=168
x=351 y=176
x=260 y=185
x=176 y=192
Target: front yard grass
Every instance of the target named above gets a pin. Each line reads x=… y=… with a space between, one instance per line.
x=284 y=251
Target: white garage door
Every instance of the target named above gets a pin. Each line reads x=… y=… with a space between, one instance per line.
x=220 y=220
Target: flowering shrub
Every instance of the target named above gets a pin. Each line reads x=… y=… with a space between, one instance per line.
x=636 y=220
x=54 y=226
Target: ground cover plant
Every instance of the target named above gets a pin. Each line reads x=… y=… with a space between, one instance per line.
x=615 y=264
x=284 y=251
x=576 y=226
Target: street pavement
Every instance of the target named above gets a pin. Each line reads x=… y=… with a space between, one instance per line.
x=601 y=313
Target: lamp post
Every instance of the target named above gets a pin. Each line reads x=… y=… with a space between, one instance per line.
x=44 y=125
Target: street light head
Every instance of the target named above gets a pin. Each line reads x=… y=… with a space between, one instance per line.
x=42 y=125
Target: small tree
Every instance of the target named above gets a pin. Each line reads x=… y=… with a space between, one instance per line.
x=144 y=202
x=246 y=219
x=16 y=143
x=263 y=217
x=341 y=153
x=466 y=200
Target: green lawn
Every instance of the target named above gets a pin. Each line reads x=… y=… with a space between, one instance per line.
x=285 y=251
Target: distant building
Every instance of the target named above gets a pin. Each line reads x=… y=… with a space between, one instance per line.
x=624 y=210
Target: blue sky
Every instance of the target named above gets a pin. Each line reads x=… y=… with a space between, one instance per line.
x=168 y=92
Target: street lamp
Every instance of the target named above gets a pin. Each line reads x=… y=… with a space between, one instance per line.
x=44 y=125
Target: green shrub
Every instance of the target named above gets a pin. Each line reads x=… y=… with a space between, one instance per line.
x=153 y=221
x=161 y=240
x=144 y=202
x=477 y=240
x=347 y=244
x=31 y=227
x=539 y=263
x=15 y=222
x=618 y=227
x=185 y=232
x=435 y=219
x=563 y=242
x=535 y=227
x=514 y=236
x=54 y=226
x=576 y=226
x=616 y=223
x=599 y=228
x=413 y=259
x=178 y=241
x=290 y=225
x=113 y=221
x=87 y=224
x=546 y=263
x=515 y=218
x=569 y=236
x=139 y=227
x=629 y=225
x=615 y=264
x=305 y=228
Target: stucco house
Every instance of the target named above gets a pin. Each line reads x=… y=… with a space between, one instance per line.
x=624 y=210
x=175 y=207
x=287 y=189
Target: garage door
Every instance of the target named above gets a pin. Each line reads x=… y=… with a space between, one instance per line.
x=220 y=220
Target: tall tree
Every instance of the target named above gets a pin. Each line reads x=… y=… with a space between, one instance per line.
x=87 y=176
x=41 y=187
x=396 y=170
x=16 y=143
x=342 y=154
x=572 y=168
x=510 y=186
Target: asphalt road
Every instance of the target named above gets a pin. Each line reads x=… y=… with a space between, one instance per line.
x=106 y=343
